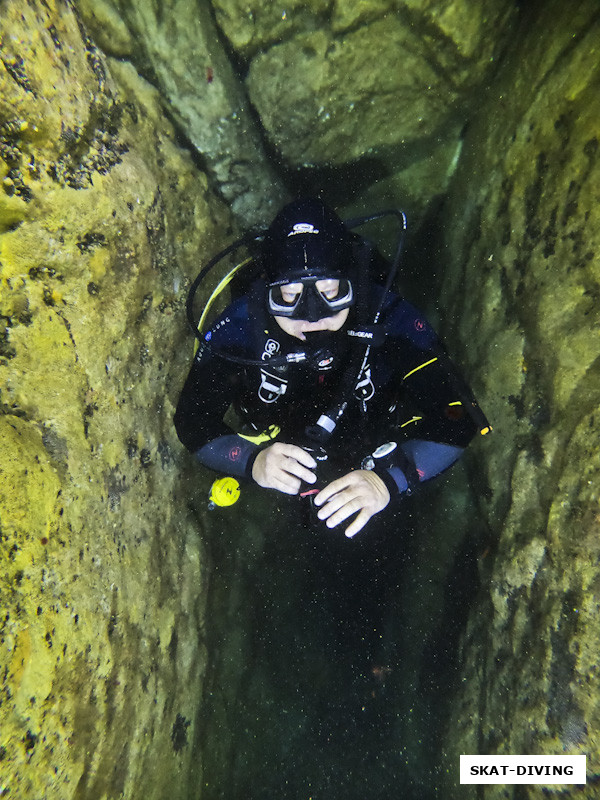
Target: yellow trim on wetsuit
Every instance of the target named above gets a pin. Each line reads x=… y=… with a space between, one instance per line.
x=271 y=432
x=408 y=422
x=482 y=431
x=416 y=369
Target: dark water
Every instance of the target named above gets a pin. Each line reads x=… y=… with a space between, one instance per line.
x=325 y=687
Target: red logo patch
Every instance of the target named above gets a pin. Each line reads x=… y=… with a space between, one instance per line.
x=419 y=325
x=235 y=453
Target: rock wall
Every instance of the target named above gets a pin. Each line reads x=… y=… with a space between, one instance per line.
x=522 y=236
x=374 y=94
x=365 y=101
x=103 y=220
x=176 y=44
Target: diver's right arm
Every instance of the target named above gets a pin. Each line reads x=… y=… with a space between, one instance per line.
x=206 y=396
x=211 y=386
x=204 y=399
x=213 y=383
x=283 y=467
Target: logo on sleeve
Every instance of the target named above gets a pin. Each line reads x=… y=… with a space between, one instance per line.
x=235 y=453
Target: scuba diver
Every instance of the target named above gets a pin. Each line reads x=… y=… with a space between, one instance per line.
x=334 y=387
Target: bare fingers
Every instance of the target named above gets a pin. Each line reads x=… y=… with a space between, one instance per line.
x=359 y=491
x=283 y=467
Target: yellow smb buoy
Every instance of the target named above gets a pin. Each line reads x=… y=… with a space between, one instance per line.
x=223 y=492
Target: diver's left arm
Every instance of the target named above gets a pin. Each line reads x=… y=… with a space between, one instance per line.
x=448 y=416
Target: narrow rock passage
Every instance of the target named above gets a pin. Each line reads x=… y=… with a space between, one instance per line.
x=317 y=710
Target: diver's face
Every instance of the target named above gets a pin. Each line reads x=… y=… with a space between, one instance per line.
x=329 y=288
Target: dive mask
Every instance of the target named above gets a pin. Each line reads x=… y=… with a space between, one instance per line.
x=309 y=299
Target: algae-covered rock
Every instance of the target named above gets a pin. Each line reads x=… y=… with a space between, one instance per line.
x=469 y=26
x=383 y=86
x=176 y=44
x=523 y=236
x=104 y=219
x=329 y=101
x=257 y=25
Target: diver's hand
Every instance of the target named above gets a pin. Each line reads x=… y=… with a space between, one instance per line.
x=361 y=490
x=283 y=467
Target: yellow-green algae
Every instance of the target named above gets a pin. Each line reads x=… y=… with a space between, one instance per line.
x=103 y=219
x=377 y=91
x=177 y=43
x=522 y=232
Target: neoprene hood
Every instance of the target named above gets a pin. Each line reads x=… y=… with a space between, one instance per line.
x=306 y=239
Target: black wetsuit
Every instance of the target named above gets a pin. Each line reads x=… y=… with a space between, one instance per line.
x=408 y=392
